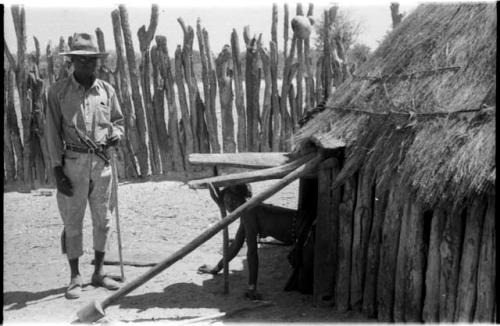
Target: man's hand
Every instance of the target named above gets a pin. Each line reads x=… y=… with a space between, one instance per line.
x=63 y=183
x=112 y=140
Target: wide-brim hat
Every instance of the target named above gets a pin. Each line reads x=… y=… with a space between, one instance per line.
x=83 y=44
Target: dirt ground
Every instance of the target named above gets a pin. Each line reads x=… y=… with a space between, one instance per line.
x=157 y=219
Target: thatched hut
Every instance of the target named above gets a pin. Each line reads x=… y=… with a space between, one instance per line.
x=410 y=200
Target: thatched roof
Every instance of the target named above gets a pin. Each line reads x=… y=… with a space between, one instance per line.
x=441 y=58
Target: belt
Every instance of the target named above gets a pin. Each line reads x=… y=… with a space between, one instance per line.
x=83 y=149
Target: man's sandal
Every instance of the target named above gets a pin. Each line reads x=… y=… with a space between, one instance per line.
x=104 y=281
x=74 y=289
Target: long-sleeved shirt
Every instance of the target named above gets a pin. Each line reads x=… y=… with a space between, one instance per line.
x=95 y=112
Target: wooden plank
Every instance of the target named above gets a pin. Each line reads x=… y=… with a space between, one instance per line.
x=238 y=91
x=346 y=210
x=467 y=281
x=486 y=271
x=252 y=176
x=430 y=312
x=224 y=78
x=140 y=116
x=266 y=122
x=246 y=160
x=131 y=134
x=388 y=254
x=415 y=261
x=174 y=142
x=450 y=250
x=326 y=236
x=361 y=233
x=372 y=256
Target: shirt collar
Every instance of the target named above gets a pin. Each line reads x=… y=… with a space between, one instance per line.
x=96 y=84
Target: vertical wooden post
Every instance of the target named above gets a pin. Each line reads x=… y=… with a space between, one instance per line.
x=164 y=141
x=361 y=233
x=388 y=254
x=62 y=62
x=8 y=150
x=174 y=143
x=212 y=79
x=309 y=97
x=238 y=91
x=104 y=73
x=327 y=226
x=400 y=279
x=132 y=153
x=415 y=247
x=224 y=78
x=252 y=86
x=467 y=281
x=319 y=82
x=276 y=122
x=198 y=125
x=140 y=115
x=50 y=64
x=486 y=271
x=346 y=210
x=450 y=250
x=299 y=100
x=430 y=312
x=145 y=37
x=18 y=16
x=266 y=122
x=186 y=120
x=396 y=16
x=210 y=111
x=286 y=23
x=287 y=120
x=372 y=257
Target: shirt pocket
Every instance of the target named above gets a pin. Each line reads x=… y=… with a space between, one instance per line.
x=103 y=115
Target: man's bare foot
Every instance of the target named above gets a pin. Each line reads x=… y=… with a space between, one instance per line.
x=206 y=269
x=253 y=295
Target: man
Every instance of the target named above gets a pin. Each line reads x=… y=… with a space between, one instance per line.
x=83 y=111
x=264 y=220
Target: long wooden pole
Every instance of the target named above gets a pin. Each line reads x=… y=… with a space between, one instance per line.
x=210 y=232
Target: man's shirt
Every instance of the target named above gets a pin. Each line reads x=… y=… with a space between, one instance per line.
x=95 y=112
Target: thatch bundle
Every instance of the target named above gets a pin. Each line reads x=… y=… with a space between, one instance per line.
x=423 y=105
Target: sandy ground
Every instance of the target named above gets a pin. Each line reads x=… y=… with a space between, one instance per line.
x=157 y=219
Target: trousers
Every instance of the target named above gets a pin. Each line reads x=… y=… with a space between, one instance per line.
x=92 y=183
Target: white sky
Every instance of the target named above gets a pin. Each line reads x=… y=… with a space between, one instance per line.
x=48 y=20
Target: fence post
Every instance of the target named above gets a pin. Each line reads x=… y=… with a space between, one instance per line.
x=186 y=132
x=159 y=86
x=309 y=98
x=131 y=154
x=299 y=100
x=224 y=78
x=238 y=90
x=140 y=116
x=205 y=56
x=252 y=87
x=18 y=17
x=145 y=37
x=174 y=147
x=266 y=122
x=8 y=150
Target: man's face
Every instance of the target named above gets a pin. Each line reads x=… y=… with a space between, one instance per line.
x=84 y=65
